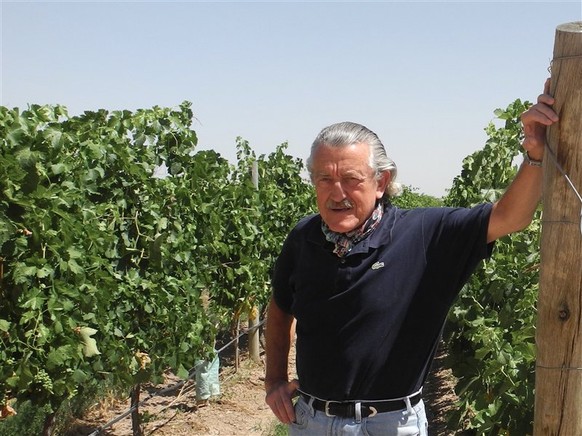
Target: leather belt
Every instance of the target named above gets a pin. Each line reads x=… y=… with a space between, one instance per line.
x=347 y=409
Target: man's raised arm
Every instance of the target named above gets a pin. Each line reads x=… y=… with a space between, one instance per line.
x=515 y=209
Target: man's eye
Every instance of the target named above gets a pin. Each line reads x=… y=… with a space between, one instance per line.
x=352 y=181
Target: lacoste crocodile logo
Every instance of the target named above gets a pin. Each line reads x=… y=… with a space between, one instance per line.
x=378 y=265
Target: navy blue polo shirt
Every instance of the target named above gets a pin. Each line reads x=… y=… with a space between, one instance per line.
x=368 y=324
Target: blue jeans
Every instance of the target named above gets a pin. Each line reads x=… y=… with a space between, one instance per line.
x=398 y=423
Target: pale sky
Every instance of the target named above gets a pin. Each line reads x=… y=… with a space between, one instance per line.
x=425 y=76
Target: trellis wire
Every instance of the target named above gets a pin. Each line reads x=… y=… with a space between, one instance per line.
x=565 y=175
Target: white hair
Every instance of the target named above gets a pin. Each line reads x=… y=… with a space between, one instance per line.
x=347 y=133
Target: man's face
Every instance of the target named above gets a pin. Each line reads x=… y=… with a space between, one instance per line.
x=345 y=185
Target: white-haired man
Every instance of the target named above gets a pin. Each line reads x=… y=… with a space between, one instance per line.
x=370 y=285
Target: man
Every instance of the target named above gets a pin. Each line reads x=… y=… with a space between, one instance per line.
x=370 y=285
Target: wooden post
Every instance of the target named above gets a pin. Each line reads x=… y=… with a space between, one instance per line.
x=254 y=335
x=135 y=418
x=254 y=312
x=236 y=344
x=558 y=402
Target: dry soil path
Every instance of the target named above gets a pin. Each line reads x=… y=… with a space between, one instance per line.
x=239 y=411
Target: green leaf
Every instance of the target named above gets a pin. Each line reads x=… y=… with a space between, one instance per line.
x=25 y=157
x=74 y=253
x=162 y=224
x=54 y=136
x=74 y=267
x=59 y=356
x=80 y=377
x=58 y=168
x=45 y=271
x=22 y=272
x=4 y=325
x=182 y=372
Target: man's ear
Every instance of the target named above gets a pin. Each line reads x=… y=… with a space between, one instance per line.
x=383 y=184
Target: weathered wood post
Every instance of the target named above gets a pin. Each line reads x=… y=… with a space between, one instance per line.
x=558 y=402
x=254 y=312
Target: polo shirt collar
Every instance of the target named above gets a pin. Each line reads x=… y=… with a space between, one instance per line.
x=382 y=235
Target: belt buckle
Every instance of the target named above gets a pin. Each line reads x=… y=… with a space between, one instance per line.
x=327 y=403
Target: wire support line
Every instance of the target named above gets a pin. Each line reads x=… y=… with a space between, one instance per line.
x=561 y=58
x=247 y=331
x=174 y=387
x=559 y=222
x=561 y=170
x=559 y=167
x=560 y=368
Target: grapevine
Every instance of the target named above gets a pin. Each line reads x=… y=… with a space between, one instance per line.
x=103 y=264
x=490 y=333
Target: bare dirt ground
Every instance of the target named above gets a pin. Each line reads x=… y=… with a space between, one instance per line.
x=240 y=410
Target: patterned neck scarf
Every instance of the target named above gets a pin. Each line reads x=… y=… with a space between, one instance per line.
x=344 y=242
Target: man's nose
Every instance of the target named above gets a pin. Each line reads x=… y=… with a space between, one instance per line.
x=337 y=191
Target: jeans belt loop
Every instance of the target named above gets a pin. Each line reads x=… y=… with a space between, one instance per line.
x=408 y=406
x=358 y=412
x=311 y=408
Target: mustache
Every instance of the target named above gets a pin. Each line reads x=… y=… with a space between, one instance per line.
x=345 y=203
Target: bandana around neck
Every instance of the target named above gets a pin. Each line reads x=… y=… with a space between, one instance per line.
x=344 y=242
